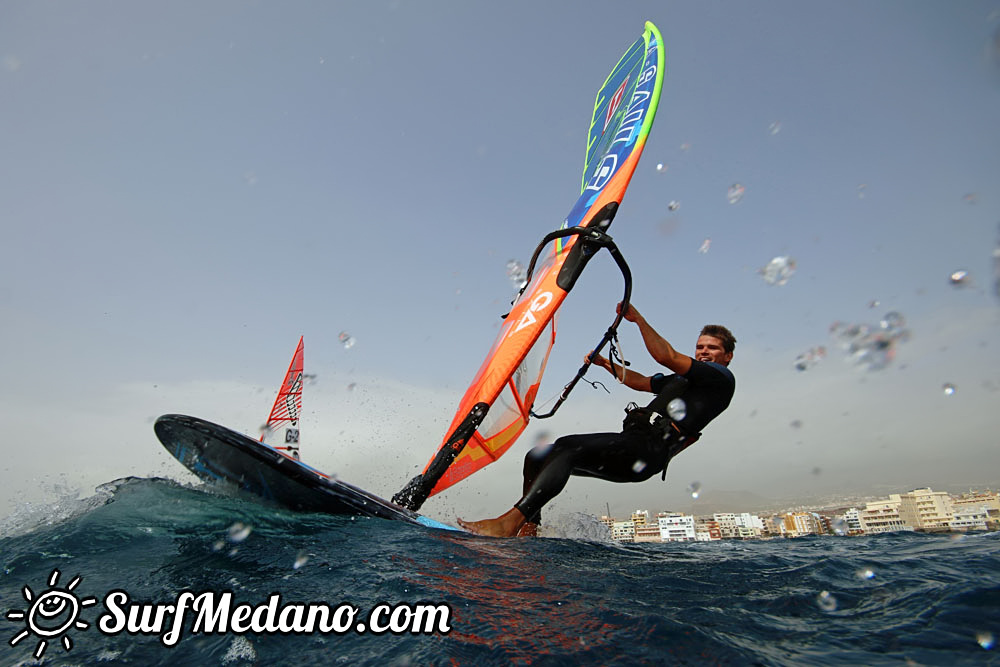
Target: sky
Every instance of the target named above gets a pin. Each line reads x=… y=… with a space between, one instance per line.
x=188 y=187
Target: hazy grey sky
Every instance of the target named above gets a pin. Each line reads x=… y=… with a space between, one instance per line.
x=187 y=187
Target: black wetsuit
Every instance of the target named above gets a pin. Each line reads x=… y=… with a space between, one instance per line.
x=635 y=454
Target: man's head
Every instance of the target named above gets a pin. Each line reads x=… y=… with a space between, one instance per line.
x=715 y=343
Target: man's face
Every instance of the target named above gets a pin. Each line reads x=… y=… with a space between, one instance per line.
x=709 y=348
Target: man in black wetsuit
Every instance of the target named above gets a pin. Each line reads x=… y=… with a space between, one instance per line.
x=698 y=391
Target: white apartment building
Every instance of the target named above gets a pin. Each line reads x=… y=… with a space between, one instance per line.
x=677 y=528
x=623 y=531
x=970 y=518
x=852 y=518
x=751 y=524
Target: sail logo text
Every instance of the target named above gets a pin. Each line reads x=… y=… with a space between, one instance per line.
x=631 y=121
x=50 y=617
x=539 y=303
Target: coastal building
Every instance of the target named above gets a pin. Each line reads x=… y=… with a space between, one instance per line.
x=970 y=518
x=988 y=499
x=882 y=516
x=647 y=532
x=798 y=524
x=623 y=531
x=774 y=526
x=852 y=521
x=676 y=527
x=706 y=529
x=925 y=509
x=727 y=525
x=751 y=525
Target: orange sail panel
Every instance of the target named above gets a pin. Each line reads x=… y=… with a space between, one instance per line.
x=287 y=408
x=508 y=380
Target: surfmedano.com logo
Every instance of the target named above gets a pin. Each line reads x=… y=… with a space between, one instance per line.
x=51 y=615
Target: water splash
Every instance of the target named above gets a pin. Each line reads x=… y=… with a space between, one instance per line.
x=517 y=274
x=735 y=193
x=238 y=532
x=826 y=601
x=778 y=270
x=960 y=278
x=810 y=358
x=346 y=339
x=871 y=347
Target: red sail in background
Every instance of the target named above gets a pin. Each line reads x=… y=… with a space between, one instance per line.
x=287 y=408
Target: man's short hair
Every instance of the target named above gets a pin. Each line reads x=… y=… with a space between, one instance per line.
x=722 y=333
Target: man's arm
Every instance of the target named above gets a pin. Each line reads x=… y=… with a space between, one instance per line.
x=661 y=350
x=631 y=379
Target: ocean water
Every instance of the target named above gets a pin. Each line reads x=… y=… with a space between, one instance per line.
x=897 y=599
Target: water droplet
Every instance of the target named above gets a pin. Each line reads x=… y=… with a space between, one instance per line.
x=239 y=532
x=808 y=359
x=948 y=388
x=795 y=423
x=865 y=573
x=960 y=279
x=862 y=189
x=892 y=321
x=874 y=303
x=674 y=205
x=839 y=526
x=735 y=193
x=985 y=639
x=517 y=273
x=301 y=559
x=971 y=198
x=352 y=386
x=826 y=601
x=661 y=167
x=685 y=146
x=638 y=466
x=694 y=488
x=778 y=270
x=774 y=127
x=218 y=545
x=705 y=245
x=346 y=339
x=677 y=409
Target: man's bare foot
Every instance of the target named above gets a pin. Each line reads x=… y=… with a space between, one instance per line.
x=506 y=525
x=528 y=530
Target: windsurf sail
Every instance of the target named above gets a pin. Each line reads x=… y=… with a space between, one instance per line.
x=281 y=430
x=497 y=406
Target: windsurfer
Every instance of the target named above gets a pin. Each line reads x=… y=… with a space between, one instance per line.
x=650 y=435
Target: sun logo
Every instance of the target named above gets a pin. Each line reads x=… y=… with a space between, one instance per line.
x=51 y=614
